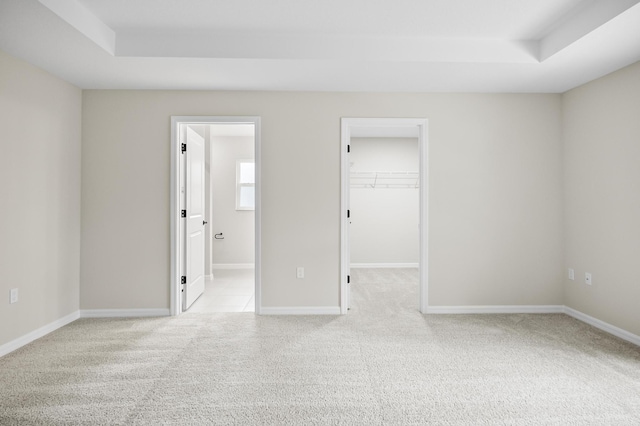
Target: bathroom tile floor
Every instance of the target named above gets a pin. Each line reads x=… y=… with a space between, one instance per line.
x=230 y=290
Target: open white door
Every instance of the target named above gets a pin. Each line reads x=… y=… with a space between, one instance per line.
x=194 y=217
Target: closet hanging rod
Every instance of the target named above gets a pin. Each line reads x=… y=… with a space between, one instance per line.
x=385 y=179
x=387 y=174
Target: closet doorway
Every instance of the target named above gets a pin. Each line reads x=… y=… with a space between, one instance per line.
x=384 y=200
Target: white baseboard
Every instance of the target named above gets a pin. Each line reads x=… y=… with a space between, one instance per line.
x=384 y=265
x=301 y=310
x=611 y=329
x=497 y=309
x=538 y=309
x=233 y=266
x=324 y=310
x=36 y=334
x=123 y=313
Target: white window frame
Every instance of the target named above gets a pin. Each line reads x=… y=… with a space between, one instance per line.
x=240 y=185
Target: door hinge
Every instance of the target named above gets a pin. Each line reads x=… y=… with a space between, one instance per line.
x=183 y=213
x=183 y=279
x=348 y=279
x=183 y=147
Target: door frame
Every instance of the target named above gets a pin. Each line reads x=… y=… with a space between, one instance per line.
x=174 y=202
x=388 y=126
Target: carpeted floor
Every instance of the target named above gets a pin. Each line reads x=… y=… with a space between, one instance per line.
x=384 y=363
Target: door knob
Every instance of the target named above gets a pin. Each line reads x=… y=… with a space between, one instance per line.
x=204 y=222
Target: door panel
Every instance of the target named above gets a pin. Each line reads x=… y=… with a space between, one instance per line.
x=195 y=203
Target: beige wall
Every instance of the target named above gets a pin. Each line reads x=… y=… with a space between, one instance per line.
x=495 y=193
x=39 y=197
x=601 y=129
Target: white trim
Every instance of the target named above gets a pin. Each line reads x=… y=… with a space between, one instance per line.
x=325 y=310
x=497 y=309
x=123 y=313
x=38 y=333
x=347 y=125
x=611 y=329
x=174 y=227
x=302 y=310
x=345 y=267
x=384 y=265
x=538 y=309
x=233 y=266
x=174 y=203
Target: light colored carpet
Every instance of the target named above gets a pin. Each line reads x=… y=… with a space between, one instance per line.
x=384 y=363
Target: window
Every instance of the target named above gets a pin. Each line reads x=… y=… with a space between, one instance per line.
x=245 y=185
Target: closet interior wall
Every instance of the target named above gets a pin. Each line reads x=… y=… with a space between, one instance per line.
x=384 y=202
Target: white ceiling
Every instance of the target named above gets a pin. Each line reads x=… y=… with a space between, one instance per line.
x=329 y=45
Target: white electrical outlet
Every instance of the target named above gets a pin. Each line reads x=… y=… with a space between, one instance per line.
x=14 y=295
x=300 y=272
x=587 y=278
x=572 y=274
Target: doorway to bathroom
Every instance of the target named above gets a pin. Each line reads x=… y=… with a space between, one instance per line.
x=229 y=278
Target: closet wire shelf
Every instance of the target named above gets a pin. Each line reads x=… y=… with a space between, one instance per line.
x=385 y=179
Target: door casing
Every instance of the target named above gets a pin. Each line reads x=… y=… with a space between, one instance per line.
x=174 y=201
x=388 y=126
